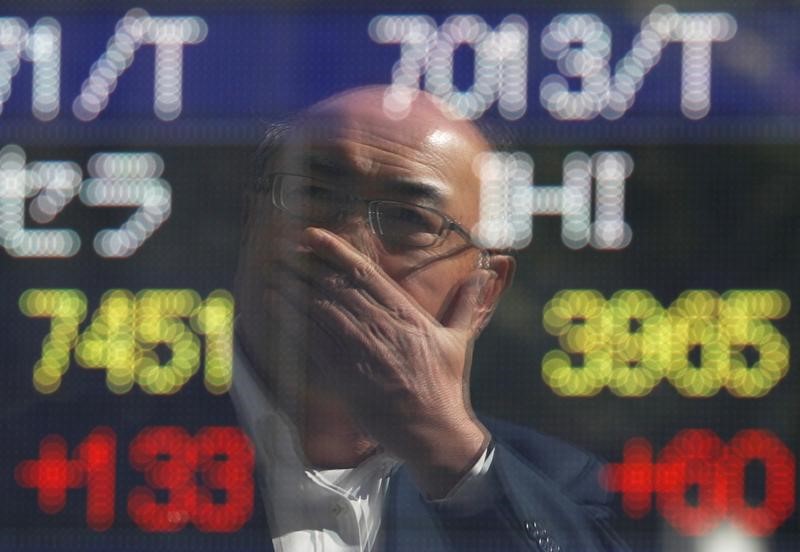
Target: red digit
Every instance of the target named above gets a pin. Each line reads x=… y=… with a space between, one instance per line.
x=98 y=453
x=225 y=459
x=693 y=458
x=779 y=467
x=168 y=458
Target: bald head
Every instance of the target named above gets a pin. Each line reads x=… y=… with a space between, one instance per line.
x=355 y=136
x=425 y=112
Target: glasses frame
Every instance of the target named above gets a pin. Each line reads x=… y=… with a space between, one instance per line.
x=448 y=223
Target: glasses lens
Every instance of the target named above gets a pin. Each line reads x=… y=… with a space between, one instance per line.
x=398 y=223
x=407 y=225
x=309 y=199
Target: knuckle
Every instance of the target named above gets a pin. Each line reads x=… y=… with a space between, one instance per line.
x=336 y=281
x=323 y=304
x=364 y=271
x=408 y=315
x=377 y=331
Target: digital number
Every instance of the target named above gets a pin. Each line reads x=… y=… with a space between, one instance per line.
x=170 y=459
x=629 y=343
x=698 y=458
x=124 y=333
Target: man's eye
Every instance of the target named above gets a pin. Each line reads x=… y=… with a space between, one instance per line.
x=314 y=195
x=408 y=225
x=406 y=218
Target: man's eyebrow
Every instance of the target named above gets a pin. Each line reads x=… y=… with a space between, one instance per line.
x=326 y=165
x=415 y=190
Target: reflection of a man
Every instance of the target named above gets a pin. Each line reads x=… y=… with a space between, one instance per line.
x=360 y=294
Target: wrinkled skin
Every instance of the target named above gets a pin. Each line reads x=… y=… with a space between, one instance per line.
x=365 y=345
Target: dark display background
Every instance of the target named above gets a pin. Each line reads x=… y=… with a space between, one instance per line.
x=713 y=204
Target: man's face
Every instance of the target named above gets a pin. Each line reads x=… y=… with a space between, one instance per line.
x=349 y=144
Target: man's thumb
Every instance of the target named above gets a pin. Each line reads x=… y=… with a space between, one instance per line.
x=468 y=306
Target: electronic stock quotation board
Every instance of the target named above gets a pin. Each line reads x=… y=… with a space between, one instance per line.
x=648 y=187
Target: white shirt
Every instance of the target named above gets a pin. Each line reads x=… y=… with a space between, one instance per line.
x=314 y=510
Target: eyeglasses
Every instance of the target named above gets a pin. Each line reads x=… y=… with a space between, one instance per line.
x=397 y=223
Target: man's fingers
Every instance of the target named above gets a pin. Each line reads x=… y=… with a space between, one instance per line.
x=468 y=308
x=311 y=270
x=325 y=313
x=321 y=284
x=362 y=270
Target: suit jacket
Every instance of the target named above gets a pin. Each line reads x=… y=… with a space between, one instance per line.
x=550 y=500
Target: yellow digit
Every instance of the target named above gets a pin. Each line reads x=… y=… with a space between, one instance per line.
x=576 y=317
x=694 y=320
x=214 y=319
x=66 y=308
x=109 y=342
x=639 y=337
x=743 y=318
x=158 y=314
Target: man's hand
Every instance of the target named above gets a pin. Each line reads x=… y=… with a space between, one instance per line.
x=403 y=373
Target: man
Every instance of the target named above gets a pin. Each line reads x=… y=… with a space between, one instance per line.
x=360 y=293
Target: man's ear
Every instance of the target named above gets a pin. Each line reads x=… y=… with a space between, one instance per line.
x=504 y=266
